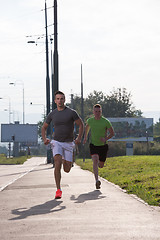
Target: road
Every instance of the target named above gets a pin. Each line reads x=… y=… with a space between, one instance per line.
x=28 y=209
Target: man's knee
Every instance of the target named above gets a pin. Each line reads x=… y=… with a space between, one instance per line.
x=101 y=164
x=67 y=170
x=67 y=166
x=95 y=158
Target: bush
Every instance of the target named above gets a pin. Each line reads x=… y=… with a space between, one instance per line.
x=22 y=153
x=140 y=148
x=144 y=148
x=117 y=149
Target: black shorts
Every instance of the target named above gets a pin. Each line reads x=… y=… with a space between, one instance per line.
x=101 y=151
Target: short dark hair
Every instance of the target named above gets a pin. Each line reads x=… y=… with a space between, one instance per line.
x=97 y=106
x=59 y=92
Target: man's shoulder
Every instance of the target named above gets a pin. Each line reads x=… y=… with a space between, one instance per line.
x=106 y=120
x=91 y=119
x=72 y=111
x=53 y=111
x=69 y=109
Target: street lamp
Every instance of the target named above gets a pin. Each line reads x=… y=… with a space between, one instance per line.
x=47 y=80
x=22 y=83
x=9 y=111
x=9 y=107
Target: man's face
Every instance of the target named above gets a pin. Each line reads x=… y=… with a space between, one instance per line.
x=60 y=100
x=97 y=112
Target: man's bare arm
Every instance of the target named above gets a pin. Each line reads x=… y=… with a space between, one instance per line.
x=107 y=137
x=111 y=133
x=87 y=128
x=43 y=132
x=79 y=122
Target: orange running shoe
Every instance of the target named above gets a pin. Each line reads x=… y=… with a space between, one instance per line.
x=58 y=194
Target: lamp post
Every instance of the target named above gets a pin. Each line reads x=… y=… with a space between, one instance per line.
x=55 y=85
x=82 y=109
x=47 y=69
x=47 y=81
x=9 y=110
x=9 y=107
x=22 y=83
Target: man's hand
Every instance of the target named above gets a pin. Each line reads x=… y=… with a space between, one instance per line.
x=43 y=131
x=79 y=122
x=103 y=139
x=77 y=140
x=46 y=141
x=84 y=140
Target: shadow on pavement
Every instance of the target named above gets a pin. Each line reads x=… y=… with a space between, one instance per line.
x=44 y=208
x=94 y=195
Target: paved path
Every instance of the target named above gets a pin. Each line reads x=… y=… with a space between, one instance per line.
x=28 y=209
x=10 y=173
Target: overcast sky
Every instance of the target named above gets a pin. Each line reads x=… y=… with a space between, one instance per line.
x=116 y=41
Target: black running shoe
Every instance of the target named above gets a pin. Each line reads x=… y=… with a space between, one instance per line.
x=98 y=184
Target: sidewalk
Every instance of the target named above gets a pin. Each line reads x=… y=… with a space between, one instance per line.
x=10 y=173
x=28 y=209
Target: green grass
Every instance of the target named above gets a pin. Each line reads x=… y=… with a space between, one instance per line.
x=139 y=175
x=15 y=160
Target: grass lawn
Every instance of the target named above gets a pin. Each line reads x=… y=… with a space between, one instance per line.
x=139 y=175
x=15 y=160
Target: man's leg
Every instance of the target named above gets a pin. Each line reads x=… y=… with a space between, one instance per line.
x=101 y=164
x=57 y=169
x=68 y=156
x=95 y=159
x=67 y=166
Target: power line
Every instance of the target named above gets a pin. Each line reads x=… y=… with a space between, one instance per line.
x=47 y=8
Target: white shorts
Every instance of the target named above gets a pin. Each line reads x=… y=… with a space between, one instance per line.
x=65 y=149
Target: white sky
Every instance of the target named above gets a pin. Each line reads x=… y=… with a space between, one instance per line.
x=116 y=41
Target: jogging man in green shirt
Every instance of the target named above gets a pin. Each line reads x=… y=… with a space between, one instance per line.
x=100 y=127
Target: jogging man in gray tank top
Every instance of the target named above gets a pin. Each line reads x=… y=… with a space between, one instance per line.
x=63 y=119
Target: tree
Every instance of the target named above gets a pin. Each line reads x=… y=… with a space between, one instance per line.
x=117 y=104
x=3 y=150
x=40 y=124
x=156 y=131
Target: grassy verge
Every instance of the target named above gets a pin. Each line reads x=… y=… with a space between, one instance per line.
x=15 y=160
x=139 y=175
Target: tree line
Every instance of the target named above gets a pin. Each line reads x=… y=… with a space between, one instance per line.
x=116 y=104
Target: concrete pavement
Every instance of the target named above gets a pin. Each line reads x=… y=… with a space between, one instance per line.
x=10 y=173
x=28 y=209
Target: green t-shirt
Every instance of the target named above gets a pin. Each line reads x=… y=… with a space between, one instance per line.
x=98 y=129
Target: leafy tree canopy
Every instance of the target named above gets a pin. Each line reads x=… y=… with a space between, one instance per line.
x=117 y=104
x=157 y=129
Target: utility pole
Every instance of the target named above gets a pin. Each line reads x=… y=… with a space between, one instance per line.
x=82 y=102
x=82 y=110
x=47 y=67
x=55 y=83
x=49 y=152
